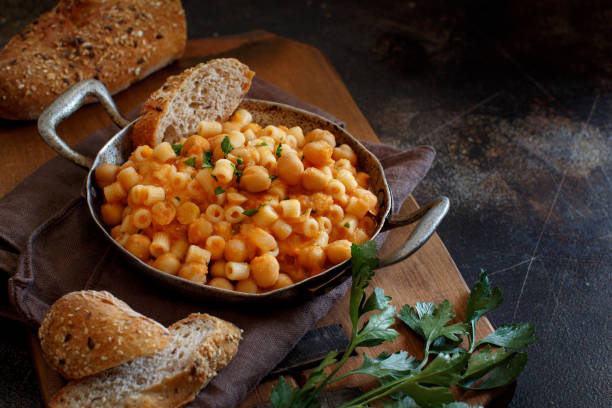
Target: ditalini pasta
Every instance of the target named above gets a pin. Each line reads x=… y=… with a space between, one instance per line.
x=240 y=206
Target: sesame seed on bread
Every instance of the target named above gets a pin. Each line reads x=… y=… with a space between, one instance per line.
x=89 y=331
x=209 y=91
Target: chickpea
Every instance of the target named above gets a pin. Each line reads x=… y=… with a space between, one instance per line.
x=167 y=263
x=138 y=245
x=283 y=281
x=313 y=258
x=318 y=152
x=290 y=168
x=221 y=283
x=195 y=146
x=255 y=179
x=338 y=251
x=315 y=179
x=235 y=250
x=264 y=270
x=105 y=174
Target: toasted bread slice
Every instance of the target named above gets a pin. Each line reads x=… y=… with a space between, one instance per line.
x=88 y=331
x=208 y=91
x=200 y=345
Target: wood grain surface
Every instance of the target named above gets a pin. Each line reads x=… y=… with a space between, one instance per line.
x=429 y=275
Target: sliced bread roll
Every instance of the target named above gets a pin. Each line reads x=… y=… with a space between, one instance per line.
x=200 y=345
x=88 y=331
x=116 y=41
x=208 y=91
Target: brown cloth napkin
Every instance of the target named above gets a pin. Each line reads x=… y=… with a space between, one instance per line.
x=51 y=246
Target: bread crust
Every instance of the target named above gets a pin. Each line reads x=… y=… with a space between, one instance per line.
x=147 y=130
x=88 y=331
x=116 y=41
x=211 y=355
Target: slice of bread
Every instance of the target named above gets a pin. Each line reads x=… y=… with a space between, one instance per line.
x=89 y=331
x=116 y=41
x=208 y=91
x=200 y=345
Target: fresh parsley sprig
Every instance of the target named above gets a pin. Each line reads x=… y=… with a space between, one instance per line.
x=404 y=381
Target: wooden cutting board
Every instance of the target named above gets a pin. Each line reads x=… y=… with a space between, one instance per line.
x=429 y=275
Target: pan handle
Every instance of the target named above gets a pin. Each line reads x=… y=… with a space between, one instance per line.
x=65 y=105
x=430 y=216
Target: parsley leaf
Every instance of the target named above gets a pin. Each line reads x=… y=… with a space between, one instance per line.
x=238 y=174
x=283 y=395
x=287 y=198
x=190 y=162
x=177 y=148
x=489 y=370
x=430 y=322
x=239 y=161
x=387 y=366
x=207 y=159
x=251 y=212
x=261 y=144
x=226 y=145
x=482 y=299
x=376 y=330
x=178 y=198
x=273 y=177
x=363 y=263
x=279 y=149
x=318 y=374
x=347 y=225
x=219 y=190
x=403 y=402
x=514 y=336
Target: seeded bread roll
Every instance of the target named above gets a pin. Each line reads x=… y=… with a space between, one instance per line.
x=208 y=91
x=115 y=41
x=88 y=331
x=200 y=346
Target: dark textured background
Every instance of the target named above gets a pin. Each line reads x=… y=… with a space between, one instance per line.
x=515 y=97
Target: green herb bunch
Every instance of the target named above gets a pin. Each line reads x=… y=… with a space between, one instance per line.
x=404 y=381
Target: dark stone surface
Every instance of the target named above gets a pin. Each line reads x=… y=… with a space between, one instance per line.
x=515 y=97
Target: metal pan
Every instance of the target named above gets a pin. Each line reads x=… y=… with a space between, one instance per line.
x=119 y=147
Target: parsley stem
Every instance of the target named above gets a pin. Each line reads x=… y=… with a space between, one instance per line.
x=377 y=393
x=426 y=355
x=340 y=363
x=472 y=337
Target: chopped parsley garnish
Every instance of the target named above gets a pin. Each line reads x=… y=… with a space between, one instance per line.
x=251 y=212
x=279 y=149
x=219 y=190
x=177 y=148
x=273 y=176
x=238 y=174
x=347 y=225
x=190 y=162
x=239 y=161
x=178 y=198
x=287 y=198
x=226 y=145
x=261 y=144
x=207 y=159
x=213 y=176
